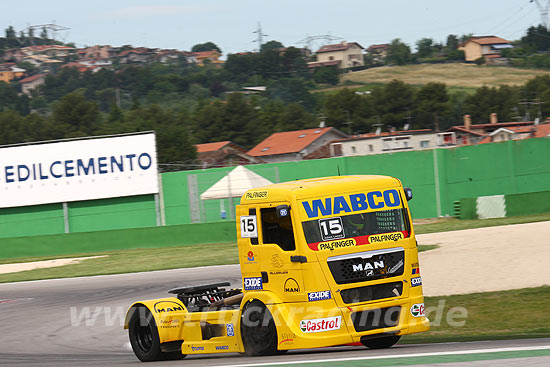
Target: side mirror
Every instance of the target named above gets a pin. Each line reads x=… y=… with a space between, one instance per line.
x=283 y=211
x=408 y=193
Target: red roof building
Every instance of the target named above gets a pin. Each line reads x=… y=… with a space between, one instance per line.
x=223 y=154
x=349 y=54
x=294 y=145
x=469 y=134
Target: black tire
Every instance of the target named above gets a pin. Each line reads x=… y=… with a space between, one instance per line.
x=258 y=330
x=381 y=343
x=144 y=337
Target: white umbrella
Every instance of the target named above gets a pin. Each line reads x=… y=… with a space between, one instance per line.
x=235 y=184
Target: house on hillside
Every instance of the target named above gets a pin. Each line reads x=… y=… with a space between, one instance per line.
x=140 y=55
x=344 y=55
x=208 y=57
x=41 y=61
x=32 y=82
x=9 y=72
x=95 y=52
x=223 y=154
x=488 y=47
x=51 y=51
x=294 y=145
x=391 y=141
x=494 y=131
x=378 y=53
x=168 y=56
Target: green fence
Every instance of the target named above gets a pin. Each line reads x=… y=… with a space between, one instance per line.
x=99 y=241
x=514 y=205
x=438 y=177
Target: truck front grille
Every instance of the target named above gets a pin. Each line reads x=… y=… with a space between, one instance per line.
x=369 y=265
x=372 y=292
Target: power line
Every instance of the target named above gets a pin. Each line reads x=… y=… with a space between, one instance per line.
x=544 y=10
x=308 y=41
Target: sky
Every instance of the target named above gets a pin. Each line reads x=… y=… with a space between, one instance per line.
x=230 y=24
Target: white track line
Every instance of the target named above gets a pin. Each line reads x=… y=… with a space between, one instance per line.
x=473 y=351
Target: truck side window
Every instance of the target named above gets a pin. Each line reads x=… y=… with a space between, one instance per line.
x=277 y=230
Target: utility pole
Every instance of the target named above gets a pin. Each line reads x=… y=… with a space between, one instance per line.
x=52 y=27
x=260 y=36
x=348 y=122
x=544 y=9
x=308 y=41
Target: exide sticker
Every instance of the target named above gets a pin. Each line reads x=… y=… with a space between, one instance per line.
x=415 y=282
x=251 y=284
x=318 y=296
x=318 y=325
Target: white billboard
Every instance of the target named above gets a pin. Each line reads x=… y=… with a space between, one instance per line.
x=76 y=170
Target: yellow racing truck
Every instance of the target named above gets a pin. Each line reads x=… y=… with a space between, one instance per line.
x=324 y=262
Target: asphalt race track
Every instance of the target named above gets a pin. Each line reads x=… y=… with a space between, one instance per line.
x=78 y=322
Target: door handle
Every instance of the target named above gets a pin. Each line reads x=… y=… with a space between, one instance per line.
x=298 y=259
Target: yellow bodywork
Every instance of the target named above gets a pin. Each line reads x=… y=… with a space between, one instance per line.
x=295 y=284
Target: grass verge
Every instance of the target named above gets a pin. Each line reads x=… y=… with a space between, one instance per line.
x=131 y=261
x=462 y=75
x=454 y=224
x=513 y=314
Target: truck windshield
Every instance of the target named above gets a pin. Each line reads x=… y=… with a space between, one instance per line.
x=356 y=225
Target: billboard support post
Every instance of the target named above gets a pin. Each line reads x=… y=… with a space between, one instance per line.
x=66 y=217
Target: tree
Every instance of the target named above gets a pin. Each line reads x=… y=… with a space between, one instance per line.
x=44 y=34
x=74 y=115
x=207 y=46
x=399 y=53
x=487 y=100
x=11 y=37
x=271 y=45
x=431 y=104
x=393 y=102
x=295 y=117
x=292 y=90
x=327 y=74
x=348 y=111
x=536 y=39
x=425 y=47
x=452 y=42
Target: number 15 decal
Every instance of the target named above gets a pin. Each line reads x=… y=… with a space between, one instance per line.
x=249 y=229
x=331 y=229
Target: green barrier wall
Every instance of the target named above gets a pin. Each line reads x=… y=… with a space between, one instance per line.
x=438 y=178
x=525 y=204
x=151 y=237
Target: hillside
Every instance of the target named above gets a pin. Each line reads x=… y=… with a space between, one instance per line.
x=455 y=75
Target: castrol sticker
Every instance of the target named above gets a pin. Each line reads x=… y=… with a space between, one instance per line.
x=318 y=325
x=417 y=310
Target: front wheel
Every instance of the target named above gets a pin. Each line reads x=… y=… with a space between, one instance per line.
x=258 y=330
x=144 y=337
x=381 y=343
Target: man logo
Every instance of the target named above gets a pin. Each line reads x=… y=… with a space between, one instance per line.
x=167 y=306
x=291 y=286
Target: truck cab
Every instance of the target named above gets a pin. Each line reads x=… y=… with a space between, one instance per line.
x=336 y=255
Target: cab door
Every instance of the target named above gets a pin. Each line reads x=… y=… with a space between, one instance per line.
x=280 y=260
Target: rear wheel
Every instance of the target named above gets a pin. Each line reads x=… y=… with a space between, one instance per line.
x=381 y=343
x=144 y=337
x=258 y=330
